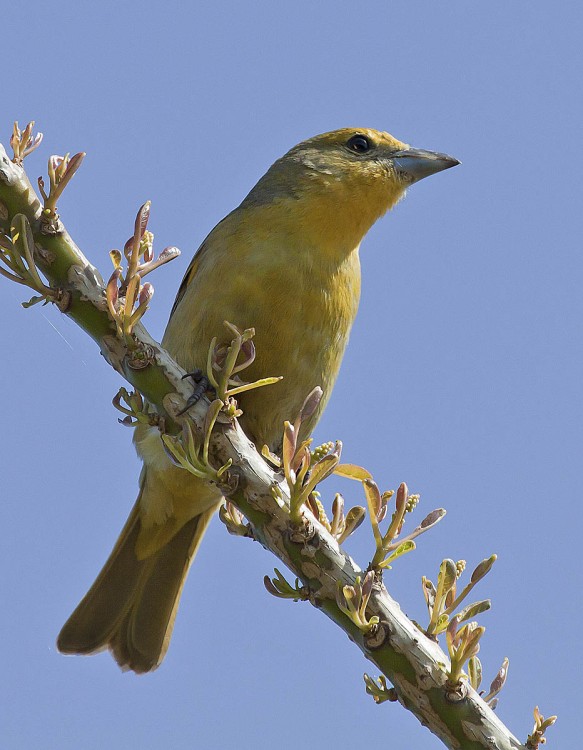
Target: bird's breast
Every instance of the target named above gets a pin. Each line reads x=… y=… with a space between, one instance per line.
x=301 y=305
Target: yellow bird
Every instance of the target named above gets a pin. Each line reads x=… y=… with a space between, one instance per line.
x=286 y=263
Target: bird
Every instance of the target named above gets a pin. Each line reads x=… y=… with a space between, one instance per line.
x=285 y=262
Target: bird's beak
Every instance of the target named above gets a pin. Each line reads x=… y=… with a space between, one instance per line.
x=416 y=163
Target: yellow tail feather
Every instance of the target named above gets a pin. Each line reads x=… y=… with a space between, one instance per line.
x=131 y=607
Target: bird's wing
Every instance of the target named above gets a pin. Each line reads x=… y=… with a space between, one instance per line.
x=192 y=269
x=190 y=274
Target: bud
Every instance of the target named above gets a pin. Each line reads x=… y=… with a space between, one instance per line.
x=483 y=568
x=115 y=256
x=146 y=294
x=311 y=403
x=142 y=218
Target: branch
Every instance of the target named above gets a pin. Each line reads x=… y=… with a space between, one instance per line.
x=301 y=538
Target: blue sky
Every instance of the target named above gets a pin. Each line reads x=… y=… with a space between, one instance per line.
x=462 y=376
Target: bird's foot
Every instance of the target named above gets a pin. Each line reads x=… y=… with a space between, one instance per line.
x=202 y=385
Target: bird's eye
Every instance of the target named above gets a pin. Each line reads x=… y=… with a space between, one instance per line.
x=360 y=144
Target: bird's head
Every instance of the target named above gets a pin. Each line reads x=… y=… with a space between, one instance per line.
x=344 y=180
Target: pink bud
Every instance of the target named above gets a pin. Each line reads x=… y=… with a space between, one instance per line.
x=142 y=219
x=112 y=287
x=311 y=403
x=401 y=500
x=74 y=163
x=146 y=293
x=169 y=252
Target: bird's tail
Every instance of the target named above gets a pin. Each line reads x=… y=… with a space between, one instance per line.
x=131 y=607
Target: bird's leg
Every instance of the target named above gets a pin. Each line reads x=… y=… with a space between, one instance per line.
x=202 y=385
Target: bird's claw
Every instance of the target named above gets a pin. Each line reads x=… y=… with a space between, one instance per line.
x=202 y=385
